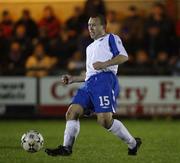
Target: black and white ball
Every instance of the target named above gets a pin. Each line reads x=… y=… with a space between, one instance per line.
x=32 y=141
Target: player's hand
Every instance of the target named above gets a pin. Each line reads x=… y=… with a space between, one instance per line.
x=66 y=79
x=99 y=65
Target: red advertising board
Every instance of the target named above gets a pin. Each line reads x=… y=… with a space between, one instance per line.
x=138 y=96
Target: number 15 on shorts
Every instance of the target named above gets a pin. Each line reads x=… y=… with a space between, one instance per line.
x=104 y=100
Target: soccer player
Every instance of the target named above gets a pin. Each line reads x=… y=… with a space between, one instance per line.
x=100 y=90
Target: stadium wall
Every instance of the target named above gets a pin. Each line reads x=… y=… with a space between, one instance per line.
x=46 y=97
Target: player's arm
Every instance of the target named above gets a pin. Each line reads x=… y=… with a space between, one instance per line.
x=68 y=79
x=119 y=59
x=118 y=51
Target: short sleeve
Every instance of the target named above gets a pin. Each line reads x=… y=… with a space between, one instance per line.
x=116 y=46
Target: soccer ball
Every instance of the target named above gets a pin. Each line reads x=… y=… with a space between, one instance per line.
x=32 y=141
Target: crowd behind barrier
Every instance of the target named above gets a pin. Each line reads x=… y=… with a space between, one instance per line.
x=48 y=46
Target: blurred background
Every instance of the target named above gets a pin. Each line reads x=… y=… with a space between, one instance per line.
x=43 y=39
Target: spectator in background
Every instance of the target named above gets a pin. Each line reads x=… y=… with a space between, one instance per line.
x=76 y=22
x=143 y=64
x=178 y=35
x=175 y=65
x=21 y=37
x=14 y=62
x=76 y=63
x=50 y=23
x=94 y=7
x=154 y=42
x=178 y=28
x=43 y=38
x=6 y=24
x=166 y=27
x=4 y=47
x=161 y=64
x=83 y=41
x=113 y=24
x=132 y=30
x=29 y=23
x=39 y=64
x=129 y=67
x=63 y=47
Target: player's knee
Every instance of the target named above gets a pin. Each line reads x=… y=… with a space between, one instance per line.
x=105 y=119
x=104 y=122
x=71 y=114
x=74 y=112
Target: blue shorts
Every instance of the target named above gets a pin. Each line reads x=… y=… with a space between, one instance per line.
x=99 y=93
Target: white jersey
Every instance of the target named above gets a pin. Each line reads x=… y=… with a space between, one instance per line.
x=103 y=49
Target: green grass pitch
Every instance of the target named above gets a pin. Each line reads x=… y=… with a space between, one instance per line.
x=161 y=142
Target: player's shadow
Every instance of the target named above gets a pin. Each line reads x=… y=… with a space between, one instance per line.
x=9 y=147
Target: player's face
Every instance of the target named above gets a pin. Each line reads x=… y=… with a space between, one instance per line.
x=96 y=29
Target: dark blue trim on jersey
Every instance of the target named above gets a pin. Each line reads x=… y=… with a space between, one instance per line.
x=113 y=46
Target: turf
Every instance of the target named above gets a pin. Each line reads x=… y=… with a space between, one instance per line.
x=161 y=142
